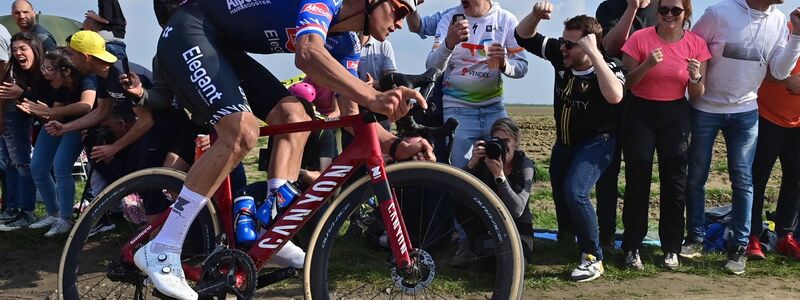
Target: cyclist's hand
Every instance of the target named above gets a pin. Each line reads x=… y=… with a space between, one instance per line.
x=54 y=128
x=104 y=153
x=394 y=103
x=415 y=148
x=456 y=33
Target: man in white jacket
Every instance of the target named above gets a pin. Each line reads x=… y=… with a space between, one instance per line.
x=746 y=38
x=473 y=92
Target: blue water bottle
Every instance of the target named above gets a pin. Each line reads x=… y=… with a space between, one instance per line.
x=244 y=208
x=279 y=200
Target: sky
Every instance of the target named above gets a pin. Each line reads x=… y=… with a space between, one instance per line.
x=410 y=51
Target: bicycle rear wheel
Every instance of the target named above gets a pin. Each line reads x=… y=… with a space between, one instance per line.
x=91 y=267
x=339 y=266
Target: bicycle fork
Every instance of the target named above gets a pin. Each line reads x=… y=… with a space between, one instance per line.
x=392 y=217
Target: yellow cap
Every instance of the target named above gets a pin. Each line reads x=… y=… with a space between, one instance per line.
x=91 y=43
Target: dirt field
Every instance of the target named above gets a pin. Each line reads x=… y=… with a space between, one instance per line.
x=30 y=271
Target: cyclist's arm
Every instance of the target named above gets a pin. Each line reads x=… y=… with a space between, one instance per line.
x=144 y=121
x=312 y=58
x=94 y=117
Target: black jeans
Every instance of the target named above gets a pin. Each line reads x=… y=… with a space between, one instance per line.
x=777 y=142
x=661 y=126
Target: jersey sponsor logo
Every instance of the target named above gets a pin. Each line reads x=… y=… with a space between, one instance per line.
x=166 y=32
x=319 y=9
x=584 y=86
x=352 y=64
x=473 y=73
x=199 y=76
x=235 y=6
x=290 y=43
x=274 y=41
x=117 y=96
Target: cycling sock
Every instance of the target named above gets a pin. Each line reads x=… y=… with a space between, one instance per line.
x=174 y=230
x=289 y=256
x=273 y=184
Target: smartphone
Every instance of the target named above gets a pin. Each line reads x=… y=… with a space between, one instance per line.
x=125 y=67
x=457 y=17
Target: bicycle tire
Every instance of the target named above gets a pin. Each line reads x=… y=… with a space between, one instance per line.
x=508 y=260
x=139 y=181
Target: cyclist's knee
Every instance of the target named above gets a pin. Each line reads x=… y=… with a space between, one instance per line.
x=288 y=110
x=239 y=132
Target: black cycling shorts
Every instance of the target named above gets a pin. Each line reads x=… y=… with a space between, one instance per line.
x=211 y=76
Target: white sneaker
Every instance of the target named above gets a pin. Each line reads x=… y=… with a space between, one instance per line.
x=165 y=271
x=589 y=269
x=59 y=227
x=633 y=260
x=671 y=261
x=45 y=221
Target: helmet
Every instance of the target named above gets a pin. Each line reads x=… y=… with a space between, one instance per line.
x=303 y=90
x=410 y=4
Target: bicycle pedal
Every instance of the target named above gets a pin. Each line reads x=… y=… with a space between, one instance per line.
x=275 y=276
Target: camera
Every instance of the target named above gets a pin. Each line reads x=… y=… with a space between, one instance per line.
x=495 y=148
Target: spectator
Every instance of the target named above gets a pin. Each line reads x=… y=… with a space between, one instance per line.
x=25 y=82
x=377 y=60
x=510 y=176
x=663 y=61
x=587 y=86
x=5 y=67
x=25 y=17
x=114 y=44
x=740 y=60
x=74 y=96
x=778 y=137
x=110 y=16
x=473 y=90
x=619 y=19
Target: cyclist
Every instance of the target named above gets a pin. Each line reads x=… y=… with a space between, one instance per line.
x=204 y=47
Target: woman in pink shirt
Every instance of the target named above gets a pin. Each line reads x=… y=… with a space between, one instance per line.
x=664 y=61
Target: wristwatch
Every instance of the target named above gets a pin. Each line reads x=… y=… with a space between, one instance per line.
x=696 y=81
x=500 y=179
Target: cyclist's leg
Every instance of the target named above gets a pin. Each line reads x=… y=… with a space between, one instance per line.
x=189 y=54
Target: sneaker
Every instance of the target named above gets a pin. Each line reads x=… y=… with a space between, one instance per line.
x=79 y=207
x=59 y=227
x=464 y=257
x=633 y=260
x=736 y=260
x=753 y=250
x=23 y=220
x=788 y=246
x=589 y=269
x=164 y=271
x=9 y=214
x=691 y=249
x=102 y=226
x=45 y=221
x=671 y=261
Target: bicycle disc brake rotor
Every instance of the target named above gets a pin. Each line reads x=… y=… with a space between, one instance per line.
x=418 y=277
x=228 y=271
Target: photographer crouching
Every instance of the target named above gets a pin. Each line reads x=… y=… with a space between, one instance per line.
x=509 y=172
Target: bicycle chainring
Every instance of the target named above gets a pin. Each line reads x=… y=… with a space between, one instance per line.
x=418 y=277
x=228 y=271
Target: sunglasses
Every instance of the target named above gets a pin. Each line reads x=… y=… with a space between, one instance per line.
x=568 y=44
x=675 y=11
x=47 y=69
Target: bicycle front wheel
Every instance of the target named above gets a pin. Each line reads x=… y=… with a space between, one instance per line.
x=91 y=266
x=340 y=266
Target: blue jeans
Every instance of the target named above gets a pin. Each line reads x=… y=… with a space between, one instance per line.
x=16 y=148
x=740 y=131
x=58 y=153
x=474 y=124
x=574 y=170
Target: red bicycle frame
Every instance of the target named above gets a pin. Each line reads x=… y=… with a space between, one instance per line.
x=364 y=150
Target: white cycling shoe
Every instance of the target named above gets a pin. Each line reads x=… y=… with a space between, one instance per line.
x=165 y=271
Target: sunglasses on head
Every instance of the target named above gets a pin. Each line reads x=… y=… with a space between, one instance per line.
x=675 y=11
x=568 y=44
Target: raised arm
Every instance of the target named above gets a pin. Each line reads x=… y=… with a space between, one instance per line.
x=611 y=86
x=616 y=37
x=784 y=57
x=527 y=27
x=638 y=70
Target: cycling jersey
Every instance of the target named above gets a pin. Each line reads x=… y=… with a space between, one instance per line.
x=204 y=50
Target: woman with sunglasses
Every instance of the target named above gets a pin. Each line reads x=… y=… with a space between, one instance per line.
x=73 y=96
x=24 y=81
x=664 y=61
